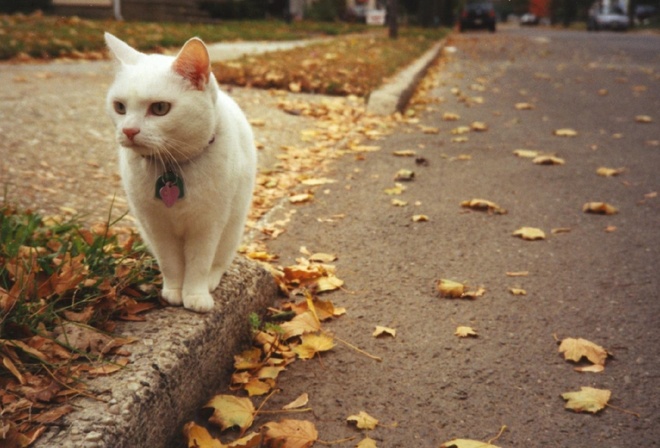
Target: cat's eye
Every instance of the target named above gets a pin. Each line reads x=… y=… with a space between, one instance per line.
x=120 y=107
x=160 y=108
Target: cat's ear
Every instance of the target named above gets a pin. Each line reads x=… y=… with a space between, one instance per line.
x=193 y=63
x=121 y=50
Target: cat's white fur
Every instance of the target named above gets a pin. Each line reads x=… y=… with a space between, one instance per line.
x=207 y=141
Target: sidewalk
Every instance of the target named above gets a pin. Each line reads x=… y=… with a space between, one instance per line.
x=59 y=152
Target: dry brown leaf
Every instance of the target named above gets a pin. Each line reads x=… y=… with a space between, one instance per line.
x=313 y=344
x=449 y=116
x=574 y=349
x=460 y=130
x=405 y=153
x=363 y=420
x=548 y=160
x=367 y=442
x=301 y=198
x=466 y=443
x=479 y=126
x=199 y=437
x=518 y=291
x=587 y=399
x=450 y=288
x=464 y=332
x=524 y=106
x=530 y=233
x=299 y=402
x=599 y=208
x=404 y=175
x=565 y=132
x=517 y=274
x=229 y=411
x=301 y=324
x=396 y=190
x=399 y=203
x=380 y=331
x=643 y=119
x=609 y=172
x=526 y=153
x=484 y=205
x=420 y=218
x=291 y=434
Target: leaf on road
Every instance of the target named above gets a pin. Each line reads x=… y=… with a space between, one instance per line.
x=526 y=153
x=399 y=203
x=643 y=119
x=396 y=189
x=199 y=437
x=464 y=332
x=518 y=291
x=301 y=198
x=313 y=344
x=420 y=218
x=405 y=153
x=565 y=132
x=449 y=116
x=404 y=175
x=517 y=274
x=479 y=126
x=299 y=402
x=484 y=205
x=575 y=349
x=291 y=434
x=301 y=324
x=587 y=399
x=524 y=106
x=460 y=130
x=548 y=160
x=367 y=442
x=599 y=208
x=229 y=411
x=454 y=290
x=466 y=443
x=609 y=172
x=380 y=331
x=530 y=233
x=363 y=420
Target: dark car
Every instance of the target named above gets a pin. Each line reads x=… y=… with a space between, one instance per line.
x=477 y=15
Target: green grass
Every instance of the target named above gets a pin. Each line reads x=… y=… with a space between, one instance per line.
x=48 y=37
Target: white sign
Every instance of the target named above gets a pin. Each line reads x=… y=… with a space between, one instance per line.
x=376 y=17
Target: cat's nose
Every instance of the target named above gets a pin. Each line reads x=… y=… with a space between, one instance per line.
x=131 y=132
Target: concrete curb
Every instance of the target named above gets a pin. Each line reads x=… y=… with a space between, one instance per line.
x=394 y=96
x=178 y=361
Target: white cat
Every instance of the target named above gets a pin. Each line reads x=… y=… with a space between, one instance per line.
x=188 y=164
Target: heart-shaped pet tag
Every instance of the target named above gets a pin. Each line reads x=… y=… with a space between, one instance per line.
x=169 y=193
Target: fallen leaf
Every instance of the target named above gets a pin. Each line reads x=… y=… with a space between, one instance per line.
x=565 y=132
x=199 y=437
x=460 y=130
x=429 y=129
x=526 y=153
x=548 y=160
x=518 y=274
x=420 y=218
x=459 y=139
x=399 y=203
x=599 y=208
x=291 y=434
x=524 y=106
x=464 y=332
x=229 y=411
x=587 y=399
x=313 y=344
x=322 y=257
x=363 y=420
x=466 y=443
x=479 y=126
x=301 y=324
x=405 y=153
x=384 y=331
x=367 y=442
x=396 y=190
x=558 y=230
x=299 y=402
x=317 y=182
x=574 y=349
x=609 y=172
x=449 y=116
x=530 y=233
x=643 y=119
x=301 y=198
x=404 y=175
x=256 y=387
x=518 y=291
x=450 y=288
x=479 y=292
x=484 y=205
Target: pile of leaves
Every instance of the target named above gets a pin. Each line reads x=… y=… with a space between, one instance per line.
x=40 y=36
x=350 y=65
x=62 y=287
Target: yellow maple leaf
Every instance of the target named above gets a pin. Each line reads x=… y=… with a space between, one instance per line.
x=363 y=420
x=313 y=344
x=229 y=411
x=306 y=322
x=291 y=434
x=450 y=288
x=256 y=387
x=199 y=437
x=587 y=399
x=530 y=233
x=575 y=349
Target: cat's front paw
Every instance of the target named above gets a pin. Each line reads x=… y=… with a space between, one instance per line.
x=172 y=296
x=200 y=303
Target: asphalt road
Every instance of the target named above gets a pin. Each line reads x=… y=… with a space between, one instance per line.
x=598 y=278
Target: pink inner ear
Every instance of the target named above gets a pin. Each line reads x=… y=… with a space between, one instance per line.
x=193 y=63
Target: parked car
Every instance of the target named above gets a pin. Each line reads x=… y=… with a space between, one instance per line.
x=607 y=17
x=529 y=19
x=478 y=15
x=645 y=12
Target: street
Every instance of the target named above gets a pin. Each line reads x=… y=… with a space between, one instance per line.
x=592 y=276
